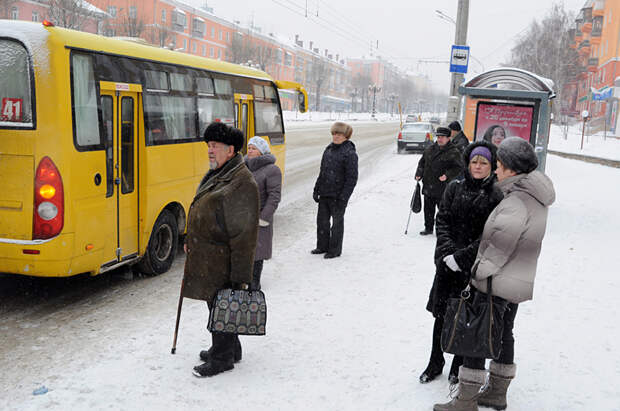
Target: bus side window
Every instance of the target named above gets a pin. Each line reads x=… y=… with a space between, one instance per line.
x=107 y=117
x=127 y=143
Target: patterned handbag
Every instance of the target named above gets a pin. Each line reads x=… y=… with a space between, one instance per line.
x=238 y=312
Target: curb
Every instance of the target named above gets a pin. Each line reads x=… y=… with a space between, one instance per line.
x=588 y=159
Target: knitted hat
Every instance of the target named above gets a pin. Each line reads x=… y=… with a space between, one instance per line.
x=222 y=133
x=260 y=144
x=481 y=151
x=455 y=126
x=442 y=131
x=342 y=128
x=518 y=155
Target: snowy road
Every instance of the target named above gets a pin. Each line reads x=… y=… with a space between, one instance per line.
x=349 y=333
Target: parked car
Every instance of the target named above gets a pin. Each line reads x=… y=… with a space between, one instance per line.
x=412 y=118
x=435 y=120
x=415 y=137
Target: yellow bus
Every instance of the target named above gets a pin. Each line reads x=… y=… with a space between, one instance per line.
x=101 y=145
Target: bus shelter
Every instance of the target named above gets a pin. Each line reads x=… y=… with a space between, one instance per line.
x=512 y=102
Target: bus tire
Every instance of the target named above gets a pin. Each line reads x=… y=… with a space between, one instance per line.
x=162 y=246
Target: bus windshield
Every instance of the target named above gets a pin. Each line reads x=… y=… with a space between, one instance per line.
x=15 y=94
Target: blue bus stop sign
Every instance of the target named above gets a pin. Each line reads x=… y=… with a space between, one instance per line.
x=459 y=59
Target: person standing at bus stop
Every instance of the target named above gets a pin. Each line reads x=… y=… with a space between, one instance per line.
x=268 y=177
x=221 y=237
x=440 y=164
x=333 y=188
x=458 y=137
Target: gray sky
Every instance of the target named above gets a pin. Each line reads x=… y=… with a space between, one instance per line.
x=407 y=30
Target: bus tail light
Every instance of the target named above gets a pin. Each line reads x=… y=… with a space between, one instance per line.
x=400 y=135
x=49 y=202
x=428 y=136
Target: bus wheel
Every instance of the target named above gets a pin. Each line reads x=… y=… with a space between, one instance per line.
x=162 y=247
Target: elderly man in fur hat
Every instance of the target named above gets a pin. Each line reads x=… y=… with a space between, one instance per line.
x=221 y=237
x=334 y=185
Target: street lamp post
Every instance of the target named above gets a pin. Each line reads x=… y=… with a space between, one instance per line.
x=392 y=98
x=353 y=94
x=374 y=89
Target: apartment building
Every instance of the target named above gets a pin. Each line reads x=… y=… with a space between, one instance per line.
x=596 y=87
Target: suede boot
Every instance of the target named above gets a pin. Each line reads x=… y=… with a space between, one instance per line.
x=499 y=379
x=470 y=383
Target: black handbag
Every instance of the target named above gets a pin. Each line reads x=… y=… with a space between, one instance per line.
x=474 y=328
x=416 y=199
x=241 y=312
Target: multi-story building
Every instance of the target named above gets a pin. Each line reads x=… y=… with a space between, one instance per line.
x=333 y=82
x=596 y=87
x=82 y=15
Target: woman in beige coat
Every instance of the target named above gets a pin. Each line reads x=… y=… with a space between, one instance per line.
x=508 y=252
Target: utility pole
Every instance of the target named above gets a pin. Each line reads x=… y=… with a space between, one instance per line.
x=460 y=39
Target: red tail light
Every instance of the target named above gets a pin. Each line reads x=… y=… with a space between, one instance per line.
x=428 y=136
x=400 y=135
x=49 y=201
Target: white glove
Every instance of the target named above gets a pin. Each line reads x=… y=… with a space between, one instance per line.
x=451 y=263
x=263 y=223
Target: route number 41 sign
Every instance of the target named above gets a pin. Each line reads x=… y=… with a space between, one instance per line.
x=11 y=109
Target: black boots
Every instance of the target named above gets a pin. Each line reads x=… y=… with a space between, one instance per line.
x=426 y=232
x=220 y=357
x=433 y=369
x=318 y=251
x=453 y=377
x=205 y=355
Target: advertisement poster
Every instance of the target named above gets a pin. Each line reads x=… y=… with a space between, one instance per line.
x=498 y=121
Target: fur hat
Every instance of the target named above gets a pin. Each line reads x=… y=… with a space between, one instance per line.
x=260 y=144
x=518 y=155
x=222 y=133
x=455 y=126
x=442 y=131
x=342 y=128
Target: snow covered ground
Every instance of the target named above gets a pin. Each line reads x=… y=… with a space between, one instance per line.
x=597 y=145
x=352 y=333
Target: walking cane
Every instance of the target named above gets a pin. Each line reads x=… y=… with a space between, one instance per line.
x=176 y=327
x=408 y=219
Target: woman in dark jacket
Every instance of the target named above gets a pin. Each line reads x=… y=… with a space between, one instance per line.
x=333 y=187
x=463 y=211
x=268 y=177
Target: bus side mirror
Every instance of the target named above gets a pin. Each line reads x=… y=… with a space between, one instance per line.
x=301 y=99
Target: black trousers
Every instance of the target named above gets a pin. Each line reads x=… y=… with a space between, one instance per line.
x=507 y=355
x=330 y=238
x=436 y=352
x=258 y=269
x=430 y=206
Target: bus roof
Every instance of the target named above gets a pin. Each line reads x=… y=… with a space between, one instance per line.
x=34 y=35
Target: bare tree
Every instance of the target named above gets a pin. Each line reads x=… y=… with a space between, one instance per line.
x=5 y=8
x=159 y=35
x=545 y=49
x=71 y=14
x=240 y=50
x=130 y=23
x=361 y=82
x=319 y=74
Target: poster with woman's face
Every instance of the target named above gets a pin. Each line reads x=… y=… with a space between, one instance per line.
x=495 y=122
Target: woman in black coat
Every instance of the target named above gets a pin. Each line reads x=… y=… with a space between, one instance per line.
x=463 y=211
x=333 y=188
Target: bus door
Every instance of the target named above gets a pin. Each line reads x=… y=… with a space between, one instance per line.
x=243 y=110
x=121 y=118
